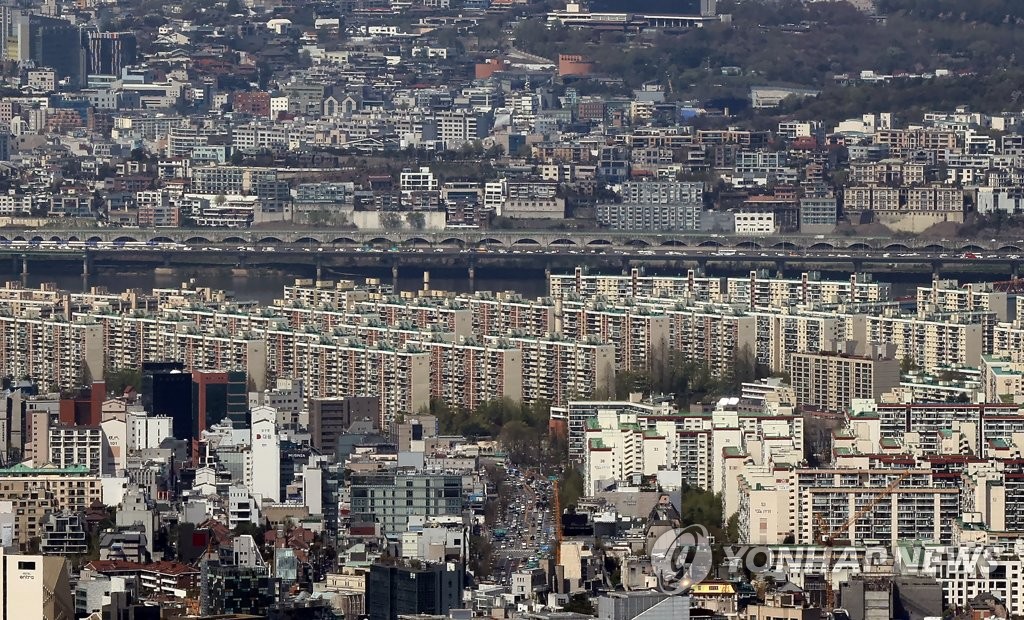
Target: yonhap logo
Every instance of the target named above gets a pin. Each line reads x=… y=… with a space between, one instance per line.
x=681 y=558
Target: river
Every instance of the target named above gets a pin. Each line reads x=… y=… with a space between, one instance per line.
x=264 y=286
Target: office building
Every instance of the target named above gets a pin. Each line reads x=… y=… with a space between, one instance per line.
x=240 y=590
x=166 y=391
x=108 y=53
x=217 y=396
x=51 y=42
x=401 y=589
x=36 y=586
x=391 y=498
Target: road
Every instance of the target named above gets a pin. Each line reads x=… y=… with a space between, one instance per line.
x=526 y=520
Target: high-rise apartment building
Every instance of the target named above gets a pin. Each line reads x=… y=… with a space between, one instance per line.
x=832 y=381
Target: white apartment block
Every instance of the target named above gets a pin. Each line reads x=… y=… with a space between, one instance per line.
x=929 y=342
x=81 y=445
x=918 y=508
x=617 y=448
x=949 y=296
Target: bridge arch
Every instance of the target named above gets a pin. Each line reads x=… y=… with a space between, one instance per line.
x=234 y=240
x=638 y=243
x=18 y=238
x=563 y=241
x=415 y=241
x=73 y=238
x=785 y=245
x=935 y=248
x=93 y=239
x=897 y=247
x=821 y=247
x=748 y=245
x=162 y=240
x=269 y=240
x=195 y=240
x=56 y=238
x=126 y=239
x=454 y=242
x=302 y=240
x=859 y=247
x=526 y=241
x=1010 y=248
x=374 y=241
x=673 y=243
x=490 y=241
x=710 y=243
x=970 y=247
x=599 y=242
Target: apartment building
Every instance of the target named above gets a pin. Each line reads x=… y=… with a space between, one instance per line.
x=557 y=371
x=51 y=351
x=917 y=508
x=930 y=341
x=832 y=381
x=759 y=290
x=1002 y=379
x=469 y=374
x=663 y=217
x=979 y=425
x=400 y=377
x=781 y=332
x=37 y=586
x=617 y=288
x=716 y=337
x=576 y=413
x=640 y=335
x=950 y=296
x=36 y=491
x=501 y=314
x=616 y=448
x=81 y=445
x=424 y=313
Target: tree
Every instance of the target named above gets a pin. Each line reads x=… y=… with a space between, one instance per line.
x=570 y=487
x=389 y=220
x=416 y=220
x=481 y=556
x=119 y=380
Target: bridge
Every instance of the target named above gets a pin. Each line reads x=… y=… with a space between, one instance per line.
x=608 y=240
x=320 y=261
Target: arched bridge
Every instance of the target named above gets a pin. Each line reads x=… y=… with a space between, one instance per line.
x=506 y=239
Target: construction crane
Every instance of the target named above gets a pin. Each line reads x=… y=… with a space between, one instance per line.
x=827 y=538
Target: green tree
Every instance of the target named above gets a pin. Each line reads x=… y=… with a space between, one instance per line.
x=117 y=381
x=570 y=487
x=390 y=220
